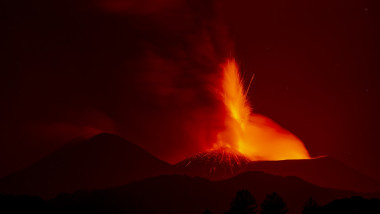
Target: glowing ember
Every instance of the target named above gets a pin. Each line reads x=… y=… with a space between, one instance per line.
x=215 y=164
x=253 y=135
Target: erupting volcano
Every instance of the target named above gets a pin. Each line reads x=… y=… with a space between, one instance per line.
x=215 y=164
x=253 y=135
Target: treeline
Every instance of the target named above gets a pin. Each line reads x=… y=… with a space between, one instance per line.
x=242 y=203
x=245 y=203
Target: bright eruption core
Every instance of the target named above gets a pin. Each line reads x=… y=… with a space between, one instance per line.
x=255 y=136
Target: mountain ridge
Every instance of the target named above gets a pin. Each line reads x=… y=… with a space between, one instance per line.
x=186 y=194
x=324 y=171
x=90 y=164
x=107 y=161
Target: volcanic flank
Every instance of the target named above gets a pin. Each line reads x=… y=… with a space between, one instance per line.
x=103 y=161
x=214 y=164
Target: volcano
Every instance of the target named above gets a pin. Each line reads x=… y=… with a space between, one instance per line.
x=103 y=161
x=215 y=164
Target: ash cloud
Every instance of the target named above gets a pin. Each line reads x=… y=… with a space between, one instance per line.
x=141 y=69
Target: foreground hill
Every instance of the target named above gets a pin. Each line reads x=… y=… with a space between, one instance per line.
x=325 y=172
x=183 y=194
x=101 y=162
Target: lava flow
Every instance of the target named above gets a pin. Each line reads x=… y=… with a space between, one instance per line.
x=253 y=135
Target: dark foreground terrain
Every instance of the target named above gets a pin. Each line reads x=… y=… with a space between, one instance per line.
x=183 y=194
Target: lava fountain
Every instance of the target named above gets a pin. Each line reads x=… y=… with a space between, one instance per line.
x=253 y=135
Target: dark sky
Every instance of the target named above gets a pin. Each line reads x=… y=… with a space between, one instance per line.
x=145 y=69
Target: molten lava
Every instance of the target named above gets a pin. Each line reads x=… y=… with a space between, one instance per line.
x=253 y=135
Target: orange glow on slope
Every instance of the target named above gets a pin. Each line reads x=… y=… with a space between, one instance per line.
x=254 y=135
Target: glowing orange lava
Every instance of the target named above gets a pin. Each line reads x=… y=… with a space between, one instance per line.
x=254 y=135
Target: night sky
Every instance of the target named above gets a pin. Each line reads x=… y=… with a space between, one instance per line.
x=145 y=70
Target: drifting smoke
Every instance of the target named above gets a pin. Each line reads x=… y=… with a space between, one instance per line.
x=146 y=70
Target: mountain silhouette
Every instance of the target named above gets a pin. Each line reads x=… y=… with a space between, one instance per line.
x=215 y=164
x=108 y=161
x=325 y=172
x=184 y=194
x=102 y=161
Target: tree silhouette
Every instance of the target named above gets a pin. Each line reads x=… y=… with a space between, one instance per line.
x=311 y=207
x=273 y=204
x=243 y=203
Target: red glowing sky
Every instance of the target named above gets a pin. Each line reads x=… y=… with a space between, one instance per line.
x=146 y=70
